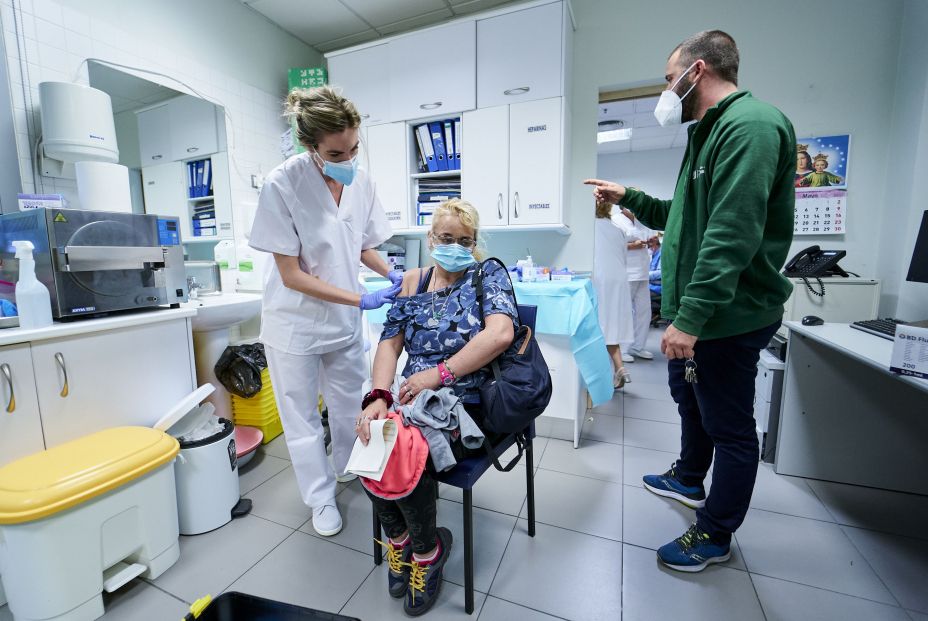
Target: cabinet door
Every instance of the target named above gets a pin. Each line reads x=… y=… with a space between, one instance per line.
x=164 y=188
x=127 y=376
x=520 y=56
x=154 y=136
x=222 y=194
x=20 y=424
x=485 y=163
x=364 y=78
x=535 y=168
x=433 y=72
x=193 y=127
x=386 y=147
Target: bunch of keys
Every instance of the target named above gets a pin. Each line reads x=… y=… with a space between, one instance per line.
x=689 y=373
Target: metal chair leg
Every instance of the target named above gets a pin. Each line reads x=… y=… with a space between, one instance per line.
x=468 y=552
x=530 y=486
x=378 y=553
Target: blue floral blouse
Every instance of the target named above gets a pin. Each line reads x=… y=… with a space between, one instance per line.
x=437 y=324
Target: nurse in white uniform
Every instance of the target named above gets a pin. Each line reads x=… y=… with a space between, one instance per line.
x=319 y=216
x=639 y=264
x=610 y=282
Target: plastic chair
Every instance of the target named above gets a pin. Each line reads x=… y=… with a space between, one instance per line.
x=466 y=474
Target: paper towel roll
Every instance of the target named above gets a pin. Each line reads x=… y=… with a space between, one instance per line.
x=102 y=186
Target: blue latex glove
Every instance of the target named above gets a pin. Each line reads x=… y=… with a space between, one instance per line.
x=396 y=277
x=370 y=301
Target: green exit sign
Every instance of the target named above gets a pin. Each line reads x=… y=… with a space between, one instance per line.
x=307 y=77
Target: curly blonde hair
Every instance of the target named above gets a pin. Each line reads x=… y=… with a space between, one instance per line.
x=466 y=215
x=603 y=210
x=314 y=112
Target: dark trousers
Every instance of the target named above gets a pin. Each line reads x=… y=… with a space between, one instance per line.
x=717 y=415
x=416 y=512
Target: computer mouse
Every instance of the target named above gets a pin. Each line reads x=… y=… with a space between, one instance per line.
x=812 y=320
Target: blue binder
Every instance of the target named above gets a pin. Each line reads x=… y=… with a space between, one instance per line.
x=449 y=142
x=208 y=178
x=191 y=180
x=428 y=153
x=199 y=186
x=457 y=144
x=438 y=144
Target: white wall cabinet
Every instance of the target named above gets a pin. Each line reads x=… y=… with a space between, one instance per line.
x=485 y=169
x=193 y=127
x=181 y=128
x=433 y=71
x=155 y=135
x=386 y=148
x=525 y=141
x=165 y=193
x=364 y=76
x=20 y=422
x=519 y=56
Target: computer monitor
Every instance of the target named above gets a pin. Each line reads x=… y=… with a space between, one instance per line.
x=918 y=269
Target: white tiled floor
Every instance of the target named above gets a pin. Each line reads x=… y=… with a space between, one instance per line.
x=808 y=550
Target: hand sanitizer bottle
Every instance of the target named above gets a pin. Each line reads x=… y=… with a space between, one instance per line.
x=33 y=302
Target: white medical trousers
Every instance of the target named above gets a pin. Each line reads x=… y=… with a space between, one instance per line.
x=297 y=381
x=641 y=312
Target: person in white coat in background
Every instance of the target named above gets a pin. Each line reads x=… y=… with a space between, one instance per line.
x=639 y=263
x=320 y=217
x=610 y=283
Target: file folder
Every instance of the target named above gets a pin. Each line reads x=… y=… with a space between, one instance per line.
x=457 y=144
x=422 y=165
x=207 y=178
x=449 y=142
x=428 y=153
x=191 y=180
x=438 y=144
x=199 y=182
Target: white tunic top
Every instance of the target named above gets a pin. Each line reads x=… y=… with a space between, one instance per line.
x=297 y=216
x=610 y=282
x=639 y=261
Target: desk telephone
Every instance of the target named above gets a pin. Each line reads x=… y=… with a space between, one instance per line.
x=813 y=262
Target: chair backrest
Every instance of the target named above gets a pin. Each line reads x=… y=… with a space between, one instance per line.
x=527 y=315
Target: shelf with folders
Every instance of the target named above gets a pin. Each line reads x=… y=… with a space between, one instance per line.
x=436 y=159
x=201 y=205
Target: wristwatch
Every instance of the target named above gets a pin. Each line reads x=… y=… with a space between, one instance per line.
x=446 y=374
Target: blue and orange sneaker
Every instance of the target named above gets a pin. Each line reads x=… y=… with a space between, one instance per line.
x=398 y=561
x=425 y=580
x=693 y=551
x=669 y=486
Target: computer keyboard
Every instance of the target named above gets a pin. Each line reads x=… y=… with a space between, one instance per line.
x=885 y=328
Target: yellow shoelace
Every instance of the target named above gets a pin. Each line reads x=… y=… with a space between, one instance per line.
x=394 y=557
x=417 y=578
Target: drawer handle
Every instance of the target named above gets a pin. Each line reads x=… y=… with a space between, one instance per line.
x=192 y=149
x=520 y=90
x=59 y=358
x=499 y=205
x=430 y=106
x=156 y=157
x=8 y=374
x=515 y=202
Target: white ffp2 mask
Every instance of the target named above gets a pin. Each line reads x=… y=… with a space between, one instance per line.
x=669 y=109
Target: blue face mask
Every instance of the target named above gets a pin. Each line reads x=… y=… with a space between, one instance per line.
x=453 y=257
x=343 y=172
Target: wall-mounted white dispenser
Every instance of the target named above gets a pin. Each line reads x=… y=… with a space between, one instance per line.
x=77 y=126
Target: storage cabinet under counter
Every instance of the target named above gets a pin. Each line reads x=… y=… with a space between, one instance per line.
x=71 y=379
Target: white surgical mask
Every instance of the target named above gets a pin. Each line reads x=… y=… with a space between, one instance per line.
x=669 y=109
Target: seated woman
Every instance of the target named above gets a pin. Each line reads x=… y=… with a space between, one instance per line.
x=436 y=319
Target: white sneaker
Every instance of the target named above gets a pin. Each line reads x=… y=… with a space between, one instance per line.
x=644 y=354
x=348 y=477
x=327 y=521
x=626 y=358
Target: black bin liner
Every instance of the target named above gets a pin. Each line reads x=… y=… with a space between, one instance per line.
x=233 y=606
x=239 y=369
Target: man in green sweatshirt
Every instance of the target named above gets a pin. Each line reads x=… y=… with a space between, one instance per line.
x=727 y=234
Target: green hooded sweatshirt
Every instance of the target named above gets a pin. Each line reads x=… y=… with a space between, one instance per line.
x=728 y=228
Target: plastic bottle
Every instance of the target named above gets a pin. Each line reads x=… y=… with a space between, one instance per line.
x=224 y=255
x=528 y=270
x=249 y=276
x=32 y=299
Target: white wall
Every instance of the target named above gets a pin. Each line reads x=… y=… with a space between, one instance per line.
x=904 y=171
x=655 y=172
x=847 y=87
x=222 y=48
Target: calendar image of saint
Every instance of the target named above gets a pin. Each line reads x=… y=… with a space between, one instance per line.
x=822 y=162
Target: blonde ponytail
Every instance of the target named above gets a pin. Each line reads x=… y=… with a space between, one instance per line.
x=314 y=112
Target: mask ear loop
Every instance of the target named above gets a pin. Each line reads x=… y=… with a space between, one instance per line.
x=320 y=162
x=681 y=77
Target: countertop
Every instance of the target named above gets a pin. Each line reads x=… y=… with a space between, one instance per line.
x=9 y=336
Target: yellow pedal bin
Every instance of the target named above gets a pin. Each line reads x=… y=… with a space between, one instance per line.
x=86 y=516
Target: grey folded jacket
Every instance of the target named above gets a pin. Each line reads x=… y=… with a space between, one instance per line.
x=437 y=414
